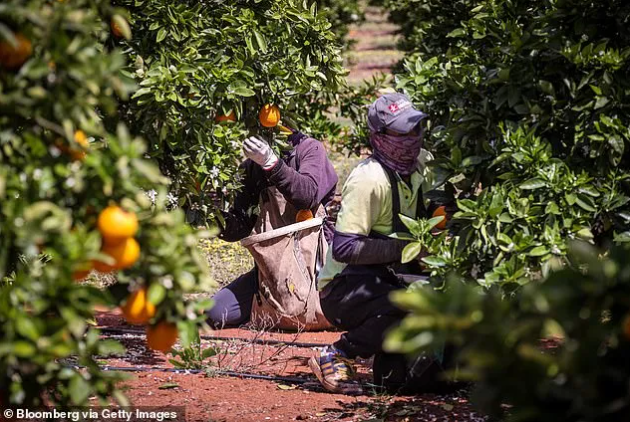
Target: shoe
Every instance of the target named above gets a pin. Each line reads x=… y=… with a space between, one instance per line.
x=335 y=372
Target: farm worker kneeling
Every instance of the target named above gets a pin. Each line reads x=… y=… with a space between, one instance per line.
x=358 y=277
x=301 y=179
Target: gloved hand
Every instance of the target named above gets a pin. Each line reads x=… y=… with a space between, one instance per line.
x=259 y=152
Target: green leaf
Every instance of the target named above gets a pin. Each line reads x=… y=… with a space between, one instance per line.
x=260 y=40
x=472 y=161
x=538 y=251
x=79 y=389
x=411 y=251
x=434 y=221
x=160 y=35
x=585 y=234
x=585 y=202
x=24 y=349
x=156 y=293
x=149 y=170
x=552 y=208
x=188 y=332
x=467 y=205
x=27 y=328
x=533 y=184
x=120 y=398
x=410 y=223
x=623 y=237
x=459 y=32
x=243 y=91
x=209 y=352
x=434 y=261
x=547 y=87
x=506 y=218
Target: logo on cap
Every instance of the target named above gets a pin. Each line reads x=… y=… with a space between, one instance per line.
x=399 y=106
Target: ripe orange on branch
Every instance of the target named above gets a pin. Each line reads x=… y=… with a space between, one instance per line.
x=440 y=211
x=116 y=224
x=137 y=309
x=162 y=336
x=12 y=57
x=81 y=139
x=223 y=118
x=125 y=254
x=269 y=115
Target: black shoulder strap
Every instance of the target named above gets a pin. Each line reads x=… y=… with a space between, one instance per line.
x=421 y=212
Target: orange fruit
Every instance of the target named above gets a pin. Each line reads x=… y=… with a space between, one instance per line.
x=81 y=139
x=125 y=254
x=116 y=29
x=269 y=115
x=162 y=336
x=13 y=57
x=116 y=224
x=440 y=211
x=76 y=153
x=223 y=118
x=137 y=309
x=303 y=215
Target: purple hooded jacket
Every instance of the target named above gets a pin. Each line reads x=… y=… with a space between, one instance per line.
x=304 y=175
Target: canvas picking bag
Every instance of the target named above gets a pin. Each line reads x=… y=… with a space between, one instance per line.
x=288 y=256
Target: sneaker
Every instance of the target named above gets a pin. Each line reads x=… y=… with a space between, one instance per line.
x=335 y=372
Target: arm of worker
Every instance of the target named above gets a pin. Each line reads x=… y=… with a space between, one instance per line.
x=306 y=188
x=363 y=250
x=238 y=221
x=361 y=206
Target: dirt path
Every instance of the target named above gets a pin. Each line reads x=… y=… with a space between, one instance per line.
x=374 y=50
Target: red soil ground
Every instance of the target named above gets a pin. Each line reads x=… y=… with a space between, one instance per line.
x=213 y=397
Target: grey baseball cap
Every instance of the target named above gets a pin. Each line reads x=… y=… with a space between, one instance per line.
x=395 y=112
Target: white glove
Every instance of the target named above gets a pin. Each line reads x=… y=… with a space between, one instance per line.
x=259 y=152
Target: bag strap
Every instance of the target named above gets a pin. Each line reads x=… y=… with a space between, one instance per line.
x=421 y=211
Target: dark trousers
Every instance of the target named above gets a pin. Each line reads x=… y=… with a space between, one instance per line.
x=360 y=305
x=233 y=303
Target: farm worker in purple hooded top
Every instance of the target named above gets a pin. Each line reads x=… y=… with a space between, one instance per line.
x=305 y=178
x=357 y=278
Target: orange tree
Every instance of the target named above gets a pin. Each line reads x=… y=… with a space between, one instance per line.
x=581 y=377
x=341 y=14
x=529 y=124
x=73 y=197
x=205 y=71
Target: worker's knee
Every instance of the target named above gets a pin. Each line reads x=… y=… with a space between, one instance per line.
x=226 y=311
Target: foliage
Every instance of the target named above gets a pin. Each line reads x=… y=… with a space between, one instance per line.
x=584 y=378
x=355 y=101
x=195 y=60
x=341 y=14
x=52 y=188
x=193 y=356
x=226 y=260
x=529 y=124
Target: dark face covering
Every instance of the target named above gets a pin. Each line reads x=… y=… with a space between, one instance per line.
x=400 y=153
